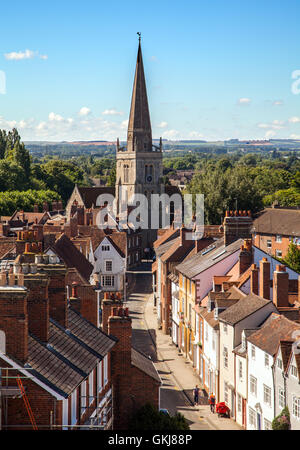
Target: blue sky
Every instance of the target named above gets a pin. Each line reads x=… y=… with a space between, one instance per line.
x=214 y=70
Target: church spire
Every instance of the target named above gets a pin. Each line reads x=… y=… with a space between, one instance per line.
x=139 y=136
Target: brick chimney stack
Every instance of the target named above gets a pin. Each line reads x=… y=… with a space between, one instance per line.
x=281 y=286
x=36 y=208
x=58 y=304
x=202 y=243
x=237 y=224
x=245 y=258
x=119 y=325
x=109 y=301
x=14 y=320
x=264 y=278
x=254 y=279
x=38 y=303
x=45 y=207
x=73 y=226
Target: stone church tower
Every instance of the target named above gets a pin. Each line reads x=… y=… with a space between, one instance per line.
x=139 y=165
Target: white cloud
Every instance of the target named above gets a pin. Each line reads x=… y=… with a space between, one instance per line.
x=84 y=111
x=26 y=54
x=55 y=117
x=269 y=134
x=171 y=134
x=278 y=102
x=294 y=119
x=124 y=124
x=195 y=135
x=162 y=125
x=275 y=125
x=244 y=101
x=112 y=112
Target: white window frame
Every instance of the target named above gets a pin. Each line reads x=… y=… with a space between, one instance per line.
x=267 y=360
x=83 y=398
x=74 y=407
x=239 y=403
x=279 y=238
x=253 y=385
x=100 y=377
x=240 y=370
x=108 y=280
x=279 y=253
x=253 y=352
x=281 y=398
x=108 y=262
x=267 y=395
x=225 y=356
x=279 y=363
x=252 y=417
x=105 y=365
x=294 y=371
x=91 y=388
x=296 y=407
x=267 y=424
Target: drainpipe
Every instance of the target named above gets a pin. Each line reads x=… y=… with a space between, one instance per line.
x=274 y=391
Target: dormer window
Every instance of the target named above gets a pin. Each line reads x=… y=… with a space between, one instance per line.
x=216 y=313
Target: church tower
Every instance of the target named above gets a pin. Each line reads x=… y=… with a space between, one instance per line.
x=139 y=165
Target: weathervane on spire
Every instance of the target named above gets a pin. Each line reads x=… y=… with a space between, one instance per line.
x=139 y=34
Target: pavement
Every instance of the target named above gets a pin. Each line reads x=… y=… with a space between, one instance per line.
x=177 y=374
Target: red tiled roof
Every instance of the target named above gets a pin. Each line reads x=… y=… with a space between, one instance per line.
x=272 y=332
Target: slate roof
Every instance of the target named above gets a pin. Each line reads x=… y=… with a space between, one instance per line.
x=89 y=195
x=88 y=334
x=51 y=370
x=72 y=257
x=71 y=349
x=242 y=309
x=70 y=354
x=268 y=336
x=278 y=221
x=166 y=246
x=144 y=364
x=205 y=259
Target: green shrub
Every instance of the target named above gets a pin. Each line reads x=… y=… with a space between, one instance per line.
x=282 y=421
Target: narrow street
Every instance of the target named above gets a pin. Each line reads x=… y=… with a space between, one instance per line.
x=177 y=384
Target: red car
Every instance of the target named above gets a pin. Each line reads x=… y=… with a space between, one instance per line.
x=222 y=409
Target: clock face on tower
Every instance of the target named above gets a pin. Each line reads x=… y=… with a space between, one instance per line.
x=149 y=178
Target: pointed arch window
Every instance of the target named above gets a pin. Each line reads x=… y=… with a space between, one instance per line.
x=126 y=173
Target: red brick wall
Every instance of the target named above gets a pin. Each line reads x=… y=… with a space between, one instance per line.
x=144 y=389
x=58 y=298
x=260 y=241
x=264 y=278
x=120 y=327
x=14 y=322
x=38 y=306
x=88 y=303
x=41 y=403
